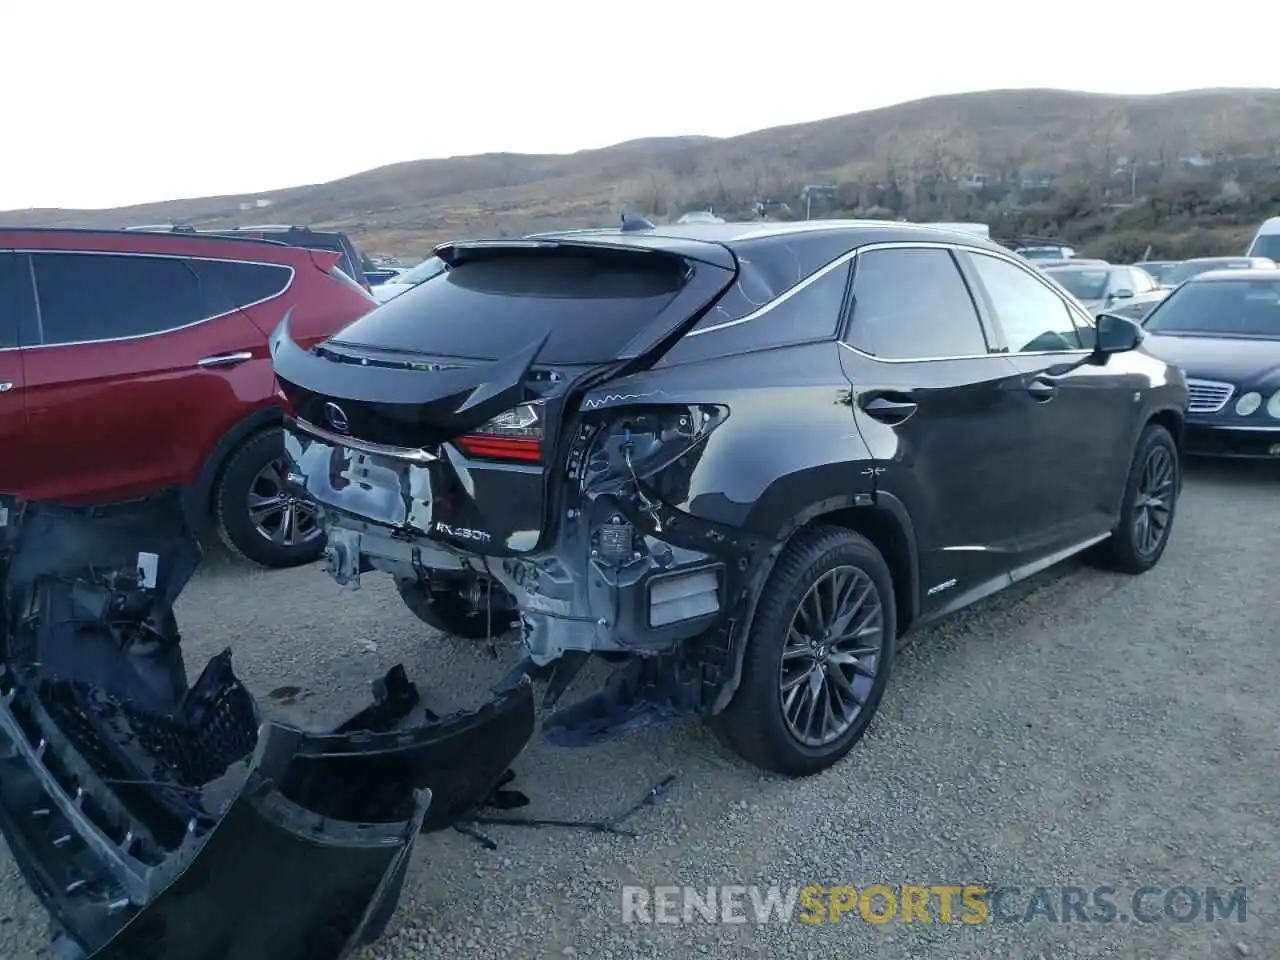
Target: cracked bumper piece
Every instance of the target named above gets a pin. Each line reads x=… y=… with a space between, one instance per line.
x=157 y=821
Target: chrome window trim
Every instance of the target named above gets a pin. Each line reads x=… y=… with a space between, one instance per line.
x=852 y=255
x=154 y=256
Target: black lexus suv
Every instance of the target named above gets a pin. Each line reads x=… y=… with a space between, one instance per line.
x=740 y=459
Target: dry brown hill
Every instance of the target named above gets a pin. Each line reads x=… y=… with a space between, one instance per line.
x=406 y=207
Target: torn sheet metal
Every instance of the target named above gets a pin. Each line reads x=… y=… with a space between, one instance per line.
x=112 y=767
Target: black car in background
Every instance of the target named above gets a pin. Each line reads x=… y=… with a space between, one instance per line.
x=351 y=264
x=1223 y=329
x=742 y=459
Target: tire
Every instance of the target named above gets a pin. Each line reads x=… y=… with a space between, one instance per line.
x=1124 y=550
x=754 y=725
x=255 y=469
x=450 y=613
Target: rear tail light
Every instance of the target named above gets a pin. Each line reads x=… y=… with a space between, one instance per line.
x=513 y=436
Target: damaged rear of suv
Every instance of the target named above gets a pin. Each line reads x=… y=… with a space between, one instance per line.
x=650 y=445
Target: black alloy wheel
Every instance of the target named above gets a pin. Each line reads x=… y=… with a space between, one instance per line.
x=818 y=655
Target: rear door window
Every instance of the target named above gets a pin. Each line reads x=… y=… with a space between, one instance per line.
x=913 y=305
x=8 y=300
x=592 y=305
x=92 y=297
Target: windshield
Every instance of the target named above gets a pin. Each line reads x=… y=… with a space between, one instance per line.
x=424 y=271
x=1082 y=284
x=1220 y=308
x=1194 y=268
x=1043 y=253
x=1266 y=245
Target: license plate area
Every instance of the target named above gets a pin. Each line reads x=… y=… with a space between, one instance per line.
x=373 y=486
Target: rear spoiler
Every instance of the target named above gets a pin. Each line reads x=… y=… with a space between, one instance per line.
x=704 y=251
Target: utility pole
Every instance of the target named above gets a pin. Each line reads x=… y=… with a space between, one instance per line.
x=825 y=190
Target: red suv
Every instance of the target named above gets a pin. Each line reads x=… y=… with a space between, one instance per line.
x=134 y=361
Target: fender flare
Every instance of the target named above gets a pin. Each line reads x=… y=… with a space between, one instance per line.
x=885 y=503
x=197 y=500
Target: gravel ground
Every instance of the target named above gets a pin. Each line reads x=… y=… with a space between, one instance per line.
x=1082 y=729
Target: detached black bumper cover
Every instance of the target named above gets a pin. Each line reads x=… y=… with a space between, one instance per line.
x=110 y=765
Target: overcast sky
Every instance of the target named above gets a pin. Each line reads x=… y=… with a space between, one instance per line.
x=115 y=102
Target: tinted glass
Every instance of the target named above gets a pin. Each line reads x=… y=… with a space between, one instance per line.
x=8 y=300
x=228 y=285
x=913 y=304
x=1223 y=308
x=811 y=313
x=102 y=297
x=1033 y=317
x=1083 y=284
x=592 y=305
x=1267 y=245
x=769 y=267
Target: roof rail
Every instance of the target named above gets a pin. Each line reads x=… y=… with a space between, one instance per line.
x=270 y=226
x=163 y=228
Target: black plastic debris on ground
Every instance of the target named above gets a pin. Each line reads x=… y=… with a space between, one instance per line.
x=105 y=753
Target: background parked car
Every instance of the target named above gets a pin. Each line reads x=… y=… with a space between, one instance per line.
x=408 y=279
x=351 y=262
x=1266 y=242
x=1158 y=269
x=1191 y=268
x=1068 y=262
x=1100 y=286
x=378 y=274
x=1223 y=329
x=135 y=361
x=1138 y=306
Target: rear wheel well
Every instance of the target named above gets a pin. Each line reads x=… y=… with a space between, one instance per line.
x=887 y=535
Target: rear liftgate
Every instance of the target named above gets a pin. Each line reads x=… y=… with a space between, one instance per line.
x=111 y=766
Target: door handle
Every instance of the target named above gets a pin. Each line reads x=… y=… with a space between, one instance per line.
x=888 y=410
x=1042 y=390
x=6 y=386
x=224 y=359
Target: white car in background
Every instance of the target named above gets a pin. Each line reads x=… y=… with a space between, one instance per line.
x=408 y=280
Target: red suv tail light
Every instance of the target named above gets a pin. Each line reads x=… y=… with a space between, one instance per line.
x=514 y=436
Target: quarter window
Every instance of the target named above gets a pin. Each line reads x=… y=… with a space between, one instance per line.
x=913 y=304
x=1034 y=318
x=229 y=284
x=93 y=297
x=810 y=313
x=8 y=300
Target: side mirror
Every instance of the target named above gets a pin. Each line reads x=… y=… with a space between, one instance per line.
x=1121 y=294
x=1115 y=335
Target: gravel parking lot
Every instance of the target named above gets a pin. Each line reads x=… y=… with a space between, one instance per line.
x=1084 y=729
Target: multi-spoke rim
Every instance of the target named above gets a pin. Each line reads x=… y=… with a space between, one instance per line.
x=1153 y=508
x=831 y=656
x=277 y=513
